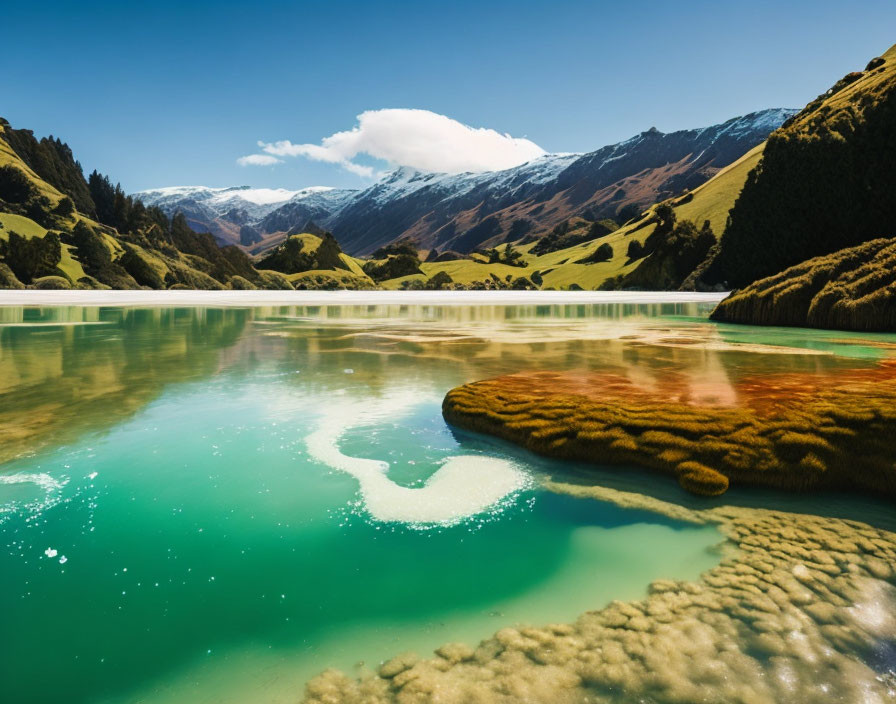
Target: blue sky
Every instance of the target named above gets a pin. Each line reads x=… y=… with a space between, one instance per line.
x=174 y=93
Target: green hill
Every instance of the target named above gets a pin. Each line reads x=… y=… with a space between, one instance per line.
x=60 y=230
x=826 y=181
x=312 y=261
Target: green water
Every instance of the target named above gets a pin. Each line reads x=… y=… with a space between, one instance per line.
x=172 y=531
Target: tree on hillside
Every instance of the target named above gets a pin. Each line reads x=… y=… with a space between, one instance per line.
x=64 y=207
x=31 y=257
x=665 y=215
x=439 y=281
x=103 y=194
x=603 y=253
x=328 y=255
x=510 y=256
x=14 y=185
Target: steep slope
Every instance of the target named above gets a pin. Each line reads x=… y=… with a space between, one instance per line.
x=471 y=210
x=825 y=181
x=52 y=161
x=853 y=289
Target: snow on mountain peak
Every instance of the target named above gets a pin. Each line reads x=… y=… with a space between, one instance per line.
x=258 y=196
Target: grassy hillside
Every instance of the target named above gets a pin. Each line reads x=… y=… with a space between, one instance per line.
x=853 y=289
x=560 y=269
x=825 y=181
x=312 y=261
x=68 y=265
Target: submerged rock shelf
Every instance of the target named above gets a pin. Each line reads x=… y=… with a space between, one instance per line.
x=801 y=610
x=791 y=431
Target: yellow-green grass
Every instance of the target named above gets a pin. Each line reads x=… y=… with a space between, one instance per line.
x=354 y=266
x=345 y=279
x=560 y=265
x=791 y=431
x=26 y=227
x=714 y=199
x=9 y=158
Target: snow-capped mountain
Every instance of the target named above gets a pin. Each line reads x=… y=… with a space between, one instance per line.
x=233 y=214
x=465 y=211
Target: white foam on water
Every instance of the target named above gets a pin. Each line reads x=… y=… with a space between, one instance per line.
x=50 y=486
x=464 y=486
x=41 y=479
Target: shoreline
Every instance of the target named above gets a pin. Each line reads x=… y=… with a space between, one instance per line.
x=223 y=299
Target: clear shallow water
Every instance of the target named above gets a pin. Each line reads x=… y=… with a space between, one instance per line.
x=209 y=486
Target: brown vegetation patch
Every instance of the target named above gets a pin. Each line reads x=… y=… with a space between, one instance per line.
x=793 y=431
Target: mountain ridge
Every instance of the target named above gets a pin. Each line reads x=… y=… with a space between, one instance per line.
x=470 y=210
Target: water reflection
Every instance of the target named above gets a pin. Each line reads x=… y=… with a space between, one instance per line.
x=68 y=370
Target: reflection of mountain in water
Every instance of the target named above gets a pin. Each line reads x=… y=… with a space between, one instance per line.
x=68 y=370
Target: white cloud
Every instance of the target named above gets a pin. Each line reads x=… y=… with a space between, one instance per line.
x=258 y=160
x=419 y=139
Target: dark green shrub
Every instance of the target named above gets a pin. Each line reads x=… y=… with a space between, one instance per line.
x=64 y=207
x=31 y=258
x=15 y=187
x=438 y=282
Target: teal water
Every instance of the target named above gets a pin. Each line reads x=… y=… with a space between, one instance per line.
x=193 y=505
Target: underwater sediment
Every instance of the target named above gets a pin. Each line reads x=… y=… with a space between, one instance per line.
x=789 y=430
x=801 y=608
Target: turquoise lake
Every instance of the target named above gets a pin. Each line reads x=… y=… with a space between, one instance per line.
x=213 y=505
